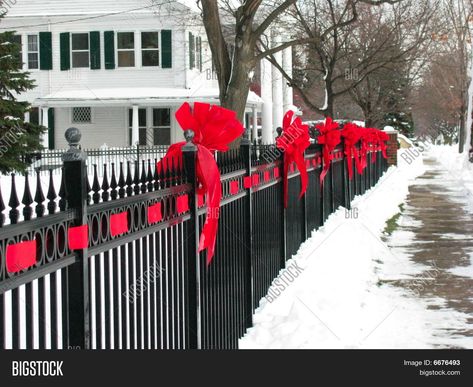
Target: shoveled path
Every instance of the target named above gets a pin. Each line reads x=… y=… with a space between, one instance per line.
x=438 y=236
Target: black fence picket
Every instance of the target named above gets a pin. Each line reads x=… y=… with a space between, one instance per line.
x=147 y=286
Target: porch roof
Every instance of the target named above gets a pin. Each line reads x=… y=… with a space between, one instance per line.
x=134 y=96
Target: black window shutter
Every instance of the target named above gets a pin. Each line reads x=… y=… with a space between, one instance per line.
x=95 y=50
x=51 y=134
x=65 y=43
x=109 y=49
x=200 y=54
x=45 y=51
x=166 y=49
x=191 y=51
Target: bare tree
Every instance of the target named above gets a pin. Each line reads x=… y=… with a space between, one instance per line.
x=236 y=58
x=352 y=50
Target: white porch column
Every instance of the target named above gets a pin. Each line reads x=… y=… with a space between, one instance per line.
x=27 y=117
x=277 y=79
x=267 y=96
x=45 y=123
x=288 y=99
x=135 y=126
x=254 y=118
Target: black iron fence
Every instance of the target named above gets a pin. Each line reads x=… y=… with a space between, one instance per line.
x=51 y=160
x=138 y=281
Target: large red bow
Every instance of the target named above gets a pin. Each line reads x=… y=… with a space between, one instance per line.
x=329 y=137
x=214 y=128
x=294 y=141
x=352 y=134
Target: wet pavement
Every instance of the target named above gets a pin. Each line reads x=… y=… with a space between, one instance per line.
x=438 y=227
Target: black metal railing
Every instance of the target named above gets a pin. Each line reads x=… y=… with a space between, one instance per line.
x=51 y=160
x=147 y=286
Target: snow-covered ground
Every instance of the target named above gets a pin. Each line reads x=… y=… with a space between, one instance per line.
x=337 y=302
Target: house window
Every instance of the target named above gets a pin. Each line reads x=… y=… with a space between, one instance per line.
x=33 y=52
x=81 y=115
x=126 y=49
x=161 y=126
x=142 y=137
x=34 y=115
x=195 y=52
x=150 y=48
x=80 y=50
x=16 y=39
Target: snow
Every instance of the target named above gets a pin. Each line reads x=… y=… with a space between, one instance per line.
x=335 y=302
x=456 y=164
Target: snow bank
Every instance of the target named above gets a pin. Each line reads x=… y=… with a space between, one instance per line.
x=457 y=165
x=336 y=301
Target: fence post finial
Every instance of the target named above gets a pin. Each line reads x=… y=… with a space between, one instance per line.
x=189 y=136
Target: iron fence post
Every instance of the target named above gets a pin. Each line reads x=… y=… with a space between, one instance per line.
x=77 y=324
x=192 y=261
x=283 y=213
x=304 y=212
x=245 y=152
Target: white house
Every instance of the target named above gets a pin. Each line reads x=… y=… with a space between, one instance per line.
x=118 y=69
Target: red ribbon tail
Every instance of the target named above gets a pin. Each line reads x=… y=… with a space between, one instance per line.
x=301 y=165
x=209 y=175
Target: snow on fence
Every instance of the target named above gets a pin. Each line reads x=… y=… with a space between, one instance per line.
x=111 y=261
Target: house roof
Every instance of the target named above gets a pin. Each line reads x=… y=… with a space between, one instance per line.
x=24 y=8
x=136 y=95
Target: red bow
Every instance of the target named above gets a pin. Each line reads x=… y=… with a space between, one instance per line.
x=294 y=141
x=329 y=138
x=214 y=128
x=352 y=134
x=382 y=138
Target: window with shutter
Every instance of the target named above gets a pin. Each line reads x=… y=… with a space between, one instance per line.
x=80 y=50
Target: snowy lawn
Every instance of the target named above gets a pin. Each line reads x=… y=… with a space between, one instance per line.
x=336 y=302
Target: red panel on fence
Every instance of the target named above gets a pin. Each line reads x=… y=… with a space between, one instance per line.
x=234 y=187
x=200 y=200
x=154 y=213
x=182 y=204
x=266 y=176
x=78 y=237
x=276 y=172
x=307 y=163
x=119 y=223
x=314 y=162
x=247 y=182
x=21 y=256
x=255 y=179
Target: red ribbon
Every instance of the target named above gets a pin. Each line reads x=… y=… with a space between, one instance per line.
x=294 y=141
x=118 y=224
x=383 y=137
x=20 y=256
x=329 y=137
x=214 y=129
x=78 y=237
x=154 y=213
x=234 y=187
x=352 y=134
